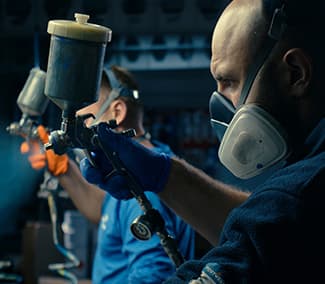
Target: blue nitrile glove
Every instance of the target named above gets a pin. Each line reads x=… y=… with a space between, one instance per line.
x=149 y=168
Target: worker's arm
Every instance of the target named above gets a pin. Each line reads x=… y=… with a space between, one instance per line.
x=87 y=197
x=200 y=200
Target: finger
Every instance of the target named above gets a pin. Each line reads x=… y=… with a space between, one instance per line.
x=37 y=157
x=38 y=165
x=24 y=148
x=37 y=161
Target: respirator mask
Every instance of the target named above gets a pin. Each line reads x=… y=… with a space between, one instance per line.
x=252 y=141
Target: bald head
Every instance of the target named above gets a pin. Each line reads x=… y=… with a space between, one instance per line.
x=237 y=35
x=241 y=24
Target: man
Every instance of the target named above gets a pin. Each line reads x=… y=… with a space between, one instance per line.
x=120 y=258
x=268 y=62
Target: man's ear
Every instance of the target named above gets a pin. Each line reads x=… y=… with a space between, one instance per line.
x=119 y=109
x=300 y=70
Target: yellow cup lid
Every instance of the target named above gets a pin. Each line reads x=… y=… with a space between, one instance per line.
x=79 y=29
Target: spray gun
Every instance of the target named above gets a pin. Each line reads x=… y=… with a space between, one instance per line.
x=32 y=102
x=76 y=86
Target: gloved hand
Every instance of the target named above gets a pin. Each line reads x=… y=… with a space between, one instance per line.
x=149 y=168
x=56 y=164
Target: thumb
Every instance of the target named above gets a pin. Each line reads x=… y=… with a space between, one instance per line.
x=24 y=147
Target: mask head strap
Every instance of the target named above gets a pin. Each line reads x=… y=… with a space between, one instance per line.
x=117 y=90
x=118 y=87
x=276 y=30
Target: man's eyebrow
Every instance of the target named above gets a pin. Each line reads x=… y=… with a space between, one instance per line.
x=222 y=77
x=219 y=77
x=218 y=74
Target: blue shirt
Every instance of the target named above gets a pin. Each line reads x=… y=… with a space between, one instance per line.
x=277 y=235
x=120 y=258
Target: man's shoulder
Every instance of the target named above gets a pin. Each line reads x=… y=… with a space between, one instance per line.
x=297 y=178
x=161 y=147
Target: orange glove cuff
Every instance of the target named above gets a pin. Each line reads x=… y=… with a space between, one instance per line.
x=57 y=164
